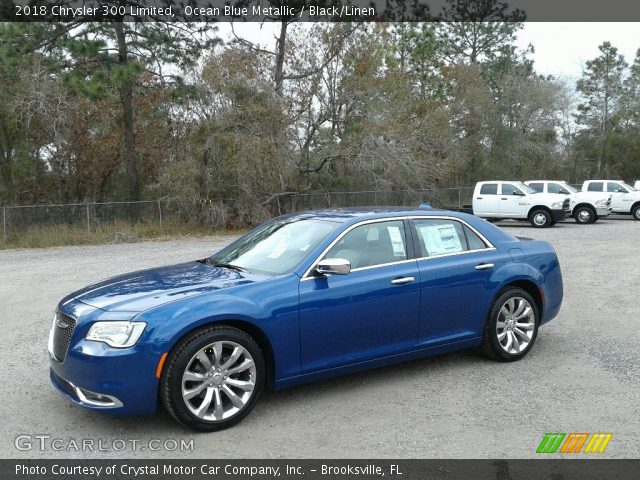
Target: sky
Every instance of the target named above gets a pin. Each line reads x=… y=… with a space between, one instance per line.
x=561 y=49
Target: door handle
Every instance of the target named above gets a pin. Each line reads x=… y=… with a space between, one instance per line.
x=484 y=266
x=504 y=198
x=402 y=281
x=478 y=198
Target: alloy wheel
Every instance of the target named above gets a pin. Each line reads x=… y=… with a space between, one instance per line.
x=219 y=381
x=515 y=325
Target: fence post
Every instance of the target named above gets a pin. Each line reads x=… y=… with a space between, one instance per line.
x=160 y=214
x=459 y=197
x=88 y=220
x=4 y=222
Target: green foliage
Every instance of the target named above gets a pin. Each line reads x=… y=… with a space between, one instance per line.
x=110 y=111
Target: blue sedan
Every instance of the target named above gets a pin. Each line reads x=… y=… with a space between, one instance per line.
x=302 y=297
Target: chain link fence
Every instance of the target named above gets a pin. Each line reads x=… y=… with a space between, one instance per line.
x=126 y=221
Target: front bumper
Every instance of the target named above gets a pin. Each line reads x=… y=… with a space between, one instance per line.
x=116 y=381
x=559 y=215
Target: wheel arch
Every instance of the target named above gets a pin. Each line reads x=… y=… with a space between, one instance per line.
x=538 y=207
x=585 y=204
x=634 y=206
x=243 y=325
x=528 y=286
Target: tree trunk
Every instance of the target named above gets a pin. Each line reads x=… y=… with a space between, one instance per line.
x=280 y=54
x=129 y=156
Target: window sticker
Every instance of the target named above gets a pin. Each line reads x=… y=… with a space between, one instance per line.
x=441 y=239
x=396 y=242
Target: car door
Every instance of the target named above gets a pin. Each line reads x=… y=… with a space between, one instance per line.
x=487 y=200
x=371 y=312
x=511 y=201
x=620 y=198
x=455 y=264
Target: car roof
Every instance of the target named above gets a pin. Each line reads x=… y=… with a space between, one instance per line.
x=354 y=214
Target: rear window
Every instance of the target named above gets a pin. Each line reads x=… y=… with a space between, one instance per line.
x=489 y=189
x=595 y=187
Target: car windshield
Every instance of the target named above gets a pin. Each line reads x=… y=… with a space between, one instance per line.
x=569 y=188
x=628 y=187
x=525 y=188
x=275 y=248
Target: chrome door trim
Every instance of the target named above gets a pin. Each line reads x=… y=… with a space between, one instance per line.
x=489 y=245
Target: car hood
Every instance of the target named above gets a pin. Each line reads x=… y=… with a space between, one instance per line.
x=142 y=290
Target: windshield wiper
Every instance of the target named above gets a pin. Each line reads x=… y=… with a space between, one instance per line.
x=230 y=266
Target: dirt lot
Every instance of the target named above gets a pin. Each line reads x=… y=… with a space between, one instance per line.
x=582 y=376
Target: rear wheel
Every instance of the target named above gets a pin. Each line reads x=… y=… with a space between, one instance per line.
x=512 y=326
x=213 y=379
x=540 y=218
x=585 y=215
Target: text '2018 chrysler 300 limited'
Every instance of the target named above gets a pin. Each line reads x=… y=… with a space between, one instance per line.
x=302 y=297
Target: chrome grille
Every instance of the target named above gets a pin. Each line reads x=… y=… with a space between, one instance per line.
x=63 y=328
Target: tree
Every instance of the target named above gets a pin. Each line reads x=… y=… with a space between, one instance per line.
x=601 y=86
x=109 y=59
x=477 y=30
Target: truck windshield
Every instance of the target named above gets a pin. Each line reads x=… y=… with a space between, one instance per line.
x=628 y=187
x=525 y=188
x=569 y=188
x=275 y=248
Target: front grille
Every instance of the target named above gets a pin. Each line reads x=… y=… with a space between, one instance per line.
x=565 y=205
x=63 y=328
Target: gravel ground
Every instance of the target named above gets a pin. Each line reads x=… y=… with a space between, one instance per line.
x=583 y=375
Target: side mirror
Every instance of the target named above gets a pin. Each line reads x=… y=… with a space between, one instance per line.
x=564 y=192
x=333 y=266
x=518 y=193
x=622 y=190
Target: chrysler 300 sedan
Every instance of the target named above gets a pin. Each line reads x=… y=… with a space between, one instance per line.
x=302 y=297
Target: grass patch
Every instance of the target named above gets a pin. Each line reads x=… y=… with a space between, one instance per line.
x=117 y=232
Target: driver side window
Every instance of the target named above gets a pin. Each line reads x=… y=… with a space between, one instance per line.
x=613 y=187
x=372 y=244
x=509 y=189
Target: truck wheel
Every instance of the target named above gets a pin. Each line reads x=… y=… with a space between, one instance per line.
x=540 y=218
x=585 y=215
x=636 y=212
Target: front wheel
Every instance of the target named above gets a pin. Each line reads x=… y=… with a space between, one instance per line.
x=540 y=218
x=585 y=215
x=636 y=212
x=213 y=378
x=512 y=326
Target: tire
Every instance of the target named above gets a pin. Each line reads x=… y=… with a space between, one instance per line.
x=635 y=211
x=508 y=337
x=585 y=215
x=540 y=218
x=209 y=400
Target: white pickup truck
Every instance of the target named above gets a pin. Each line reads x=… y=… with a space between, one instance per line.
x=497 y=200
x=586 y=207
x=624 y=198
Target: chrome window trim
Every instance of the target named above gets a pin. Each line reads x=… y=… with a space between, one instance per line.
x=489 y=245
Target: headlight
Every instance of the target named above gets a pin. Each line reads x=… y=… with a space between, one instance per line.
x=557 y=204
x=116 y=334
x=601 y=203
